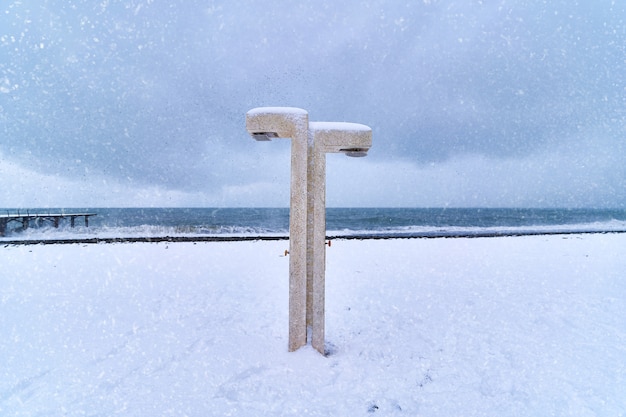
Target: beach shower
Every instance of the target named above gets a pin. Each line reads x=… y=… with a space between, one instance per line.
x=310 y=142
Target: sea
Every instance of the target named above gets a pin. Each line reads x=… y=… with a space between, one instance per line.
x=192 y=223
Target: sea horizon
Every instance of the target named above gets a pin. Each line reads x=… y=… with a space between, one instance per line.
x=247 y=222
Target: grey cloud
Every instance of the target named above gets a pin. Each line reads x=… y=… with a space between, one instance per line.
x=156 y=94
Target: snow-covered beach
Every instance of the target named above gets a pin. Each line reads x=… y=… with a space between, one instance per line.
x=528 y=326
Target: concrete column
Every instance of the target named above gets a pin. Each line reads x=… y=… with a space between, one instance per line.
x=316 y=246
x=297 y=243
x=266 y=123
x=354 y=140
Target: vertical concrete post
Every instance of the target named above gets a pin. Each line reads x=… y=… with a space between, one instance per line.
x=353 y=140
x=266 y=123
x=316 y=292
x=297 y=242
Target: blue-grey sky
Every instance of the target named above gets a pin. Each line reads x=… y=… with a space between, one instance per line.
x=472 y=103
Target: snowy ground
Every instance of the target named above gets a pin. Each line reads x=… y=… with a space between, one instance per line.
x=528 y=326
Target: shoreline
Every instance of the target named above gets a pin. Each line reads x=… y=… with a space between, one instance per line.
x=368 y=236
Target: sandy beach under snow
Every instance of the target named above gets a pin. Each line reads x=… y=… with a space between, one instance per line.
x=528 y=326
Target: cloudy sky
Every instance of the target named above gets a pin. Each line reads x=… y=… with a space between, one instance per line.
x=473 y=103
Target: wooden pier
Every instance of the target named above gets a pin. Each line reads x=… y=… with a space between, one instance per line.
x=40 y=218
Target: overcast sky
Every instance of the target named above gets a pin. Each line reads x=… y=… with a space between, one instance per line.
x=492 y=103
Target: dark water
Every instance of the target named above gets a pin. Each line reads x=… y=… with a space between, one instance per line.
x=114 y=222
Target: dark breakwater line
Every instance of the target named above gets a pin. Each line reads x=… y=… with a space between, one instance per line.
x=153 y=239
x=364 y=236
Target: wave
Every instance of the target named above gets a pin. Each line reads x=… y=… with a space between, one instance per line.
x=48 y=232
x=604 y=226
